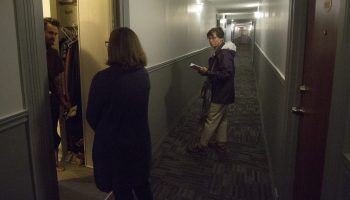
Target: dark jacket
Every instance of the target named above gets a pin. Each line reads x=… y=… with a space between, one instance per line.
x=221 y=73
x=117 y=111
x=54 y=68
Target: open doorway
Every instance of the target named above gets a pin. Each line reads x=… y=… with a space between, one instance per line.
x=70 y=125
x=85 y=26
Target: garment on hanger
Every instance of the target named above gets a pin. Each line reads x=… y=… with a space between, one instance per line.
x=69 y=46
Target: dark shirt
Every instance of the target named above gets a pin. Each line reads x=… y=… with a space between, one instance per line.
x=54 y=68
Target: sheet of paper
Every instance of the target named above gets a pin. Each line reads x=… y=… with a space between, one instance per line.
x=194 y=66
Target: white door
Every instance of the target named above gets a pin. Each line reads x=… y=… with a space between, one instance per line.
x=95 y=25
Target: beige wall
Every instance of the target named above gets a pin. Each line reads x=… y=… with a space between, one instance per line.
x=46 y=8
x=49 y=8
x=95 y=25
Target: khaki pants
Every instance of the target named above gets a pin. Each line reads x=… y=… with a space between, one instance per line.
x=216 y=122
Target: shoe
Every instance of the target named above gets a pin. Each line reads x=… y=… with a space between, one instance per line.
x=221 y=147
x=69 y=156
x=218 y=146
x=212 y=144
x=196 y=148
x=77 y=160
x=60 y=168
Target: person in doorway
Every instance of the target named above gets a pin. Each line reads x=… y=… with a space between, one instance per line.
x=220 y=78
x=117 y=111
x=54 y=68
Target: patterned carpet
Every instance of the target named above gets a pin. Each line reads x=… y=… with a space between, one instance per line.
x=239 y=174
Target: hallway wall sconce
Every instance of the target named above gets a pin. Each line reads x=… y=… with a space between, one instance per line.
x=258 y=15
x=195 y=8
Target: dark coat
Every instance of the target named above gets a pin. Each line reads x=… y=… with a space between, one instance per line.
x=221 y=74
x=54 y=68
x=117 y=111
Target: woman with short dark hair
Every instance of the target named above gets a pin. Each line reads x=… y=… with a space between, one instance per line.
x=117 y=111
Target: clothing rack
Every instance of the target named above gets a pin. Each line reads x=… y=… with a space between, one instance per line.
x=71 y=34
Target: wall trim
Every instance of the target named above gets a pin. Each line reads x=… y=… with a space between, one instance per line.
x=167 y=63
x=279 y=74
x=13 y=120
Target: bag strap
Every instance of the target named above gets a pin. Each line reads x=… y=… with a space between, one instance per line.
x=214 y=63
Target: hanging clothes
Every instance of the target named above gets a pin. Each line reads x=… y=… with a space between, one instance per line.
x=74 y=124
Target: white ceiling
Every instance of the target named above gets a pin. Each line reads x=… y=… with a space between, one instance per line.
x=241 y=11
x=234 y=6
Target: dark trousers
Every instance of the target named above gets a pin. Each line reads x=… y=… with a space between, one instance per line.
x=142 y=192
x=55 y=114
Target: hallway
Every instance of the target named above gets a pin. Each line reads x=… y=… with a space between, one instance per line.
x=241 y=173
x=285 y=35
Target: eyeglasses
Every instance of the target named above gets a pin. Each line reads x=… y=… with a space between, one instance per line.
x=212 y=38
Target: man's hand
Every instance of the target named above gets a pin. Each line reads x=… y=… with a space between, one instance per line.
x=66 y=105
x=202 y=70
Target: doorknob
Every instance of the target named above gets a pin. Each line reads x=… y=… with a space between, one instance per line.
x=297 y=110
x=303 y=88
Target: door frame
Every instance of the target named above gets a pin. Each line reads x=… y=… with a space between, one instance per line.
x=122 y=6
x=294 y=71
x=32 y=59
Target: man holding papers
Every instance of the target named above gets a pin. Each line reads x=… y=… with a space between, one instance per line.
x=220 y=77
